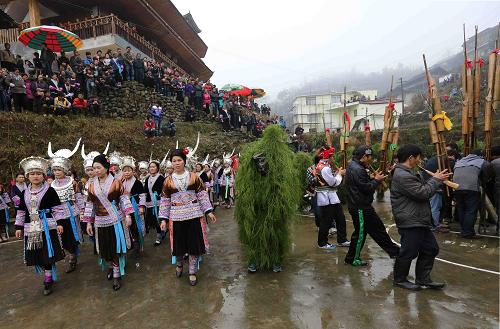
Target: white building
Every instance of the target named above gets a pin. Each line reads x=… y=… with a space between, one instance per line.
x=316 y=112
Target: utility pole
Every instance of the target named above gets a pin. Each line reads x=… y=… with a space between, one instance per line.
x=402 y=96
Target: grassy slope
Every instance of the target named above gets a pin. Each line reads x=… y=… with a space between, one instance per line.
x=28 y=134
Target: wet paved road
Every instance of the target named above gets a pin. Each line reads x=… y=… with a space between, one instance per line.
x=316 y=290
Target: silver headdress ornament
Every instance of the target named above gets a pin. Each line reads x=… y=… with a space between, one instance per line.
x=191 y=159
x=115 y=158
x=32 y=164
x=216 y=163
x=88 y=159
x=166 y=163
x=143 y=165
x=227 y=158
x=151 y=160
x=127 y=161
x=205 y=162
x=60 y=159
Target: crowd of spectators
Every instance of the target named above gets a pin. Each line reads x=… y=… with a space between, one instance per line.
x=58 y=84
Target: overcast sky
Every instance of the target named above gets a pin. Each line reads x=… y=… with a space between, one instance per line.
x=273 y=44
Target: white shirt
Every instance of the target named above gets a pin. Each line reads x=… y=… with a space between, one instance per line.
x=326 y=197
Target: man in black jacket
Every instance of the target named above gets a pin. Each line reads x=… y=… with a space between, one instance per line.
x=410 y=196
x=360 y=188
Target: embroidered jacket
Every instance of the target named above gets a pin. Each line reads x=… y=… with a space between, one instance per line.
x=4 y=200
x=47 y=200
x=100 y=201
x=152 y=185
x=178 y=205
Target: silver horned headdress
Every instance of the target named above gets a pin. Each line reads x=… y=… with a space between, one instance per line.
x=88 y=159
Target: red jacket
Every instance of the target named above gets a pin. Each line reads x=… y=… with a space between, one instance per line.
x=149 y=124
x=80 y=103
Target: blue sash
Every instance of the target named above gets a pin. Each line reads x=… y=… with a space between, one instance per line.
x=121 y=245
x=137 y=218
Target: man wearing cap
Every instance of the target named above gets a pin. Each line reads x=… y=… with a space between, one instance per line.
x=328 y=201
x=360 y=188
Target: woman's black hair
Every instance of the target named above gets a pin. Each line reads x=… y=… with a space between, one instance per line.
x=178 y=153
x=408 y=150
x=101 y=159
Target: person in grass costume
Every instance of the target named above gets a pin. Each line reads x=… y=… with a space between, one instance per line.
x=269 y=194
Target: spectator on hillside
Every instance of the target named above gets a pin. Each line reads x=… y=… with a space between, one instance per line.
x=17 y=91
x=138 y=68
x=190 y=116
x=41 y=87
x=69 y=90
x=61 y=104
x=80 y=105
x=206 y=102
x=30 y=92
x=169 y=129
x=88 y=58
x=54 y=85
x=47 y=103
x=7 y=58
x=95 y=106
x=117 y=66
x=224 y=117
x=157 y=114
x=4 y=86
x=198 y=96
x=128 y=59
x=149 y=127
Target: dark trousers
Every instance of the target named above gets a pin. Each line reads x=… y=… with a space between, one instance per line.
x=420 y=243
x=19 y=101
x=316 y=210
x=151 y=220
x=327 y=215
x=370 y=224
x=467 y=205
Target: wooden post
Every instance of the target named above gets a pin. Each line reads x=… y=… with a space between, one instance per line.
x=34 y=13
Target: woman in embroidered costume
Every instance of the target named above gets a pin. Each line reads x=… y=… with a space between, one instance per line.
x=185 y=203
x=135 y=190
x=4 y=214
x=71 y=199
x=88 y=160
x=226 y=182
x=105 y=206
x=18 y=190
x=38 y=217
x=152 y=186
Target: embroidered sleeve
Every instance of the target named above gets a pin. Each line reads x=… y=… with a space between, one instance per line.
x=202 y=196
x=6 y=198
x=126 y=205
x=89 y=212
x=142 y=199
x=165 y=202
x=80 y=200
x=17 y=200
x=21 y=215
x=58 y=212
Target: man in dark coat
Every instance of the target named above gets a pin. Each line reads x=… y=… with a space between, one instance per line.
x=360 y=189
x=410 y=196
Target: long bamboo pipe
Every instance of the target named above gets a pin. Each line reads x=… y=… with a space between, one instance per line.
x=448 y=183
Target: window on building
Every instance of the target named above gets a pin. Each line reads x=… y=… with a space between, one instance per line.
x=313 y=130
x=336 y=99
x=311 y=118
x=310 y=100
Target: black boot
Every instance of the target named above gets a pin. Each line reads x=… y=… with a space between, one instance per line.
x=423 y=270
x=116 y=284
x=401 y=269
x=47 y=288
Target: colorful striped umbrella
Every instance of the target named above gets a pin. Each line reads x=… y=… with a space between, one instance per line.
x=54 y=37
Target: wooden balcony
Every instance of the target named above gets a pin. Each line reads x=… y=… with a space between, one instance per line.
x=101 y=26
